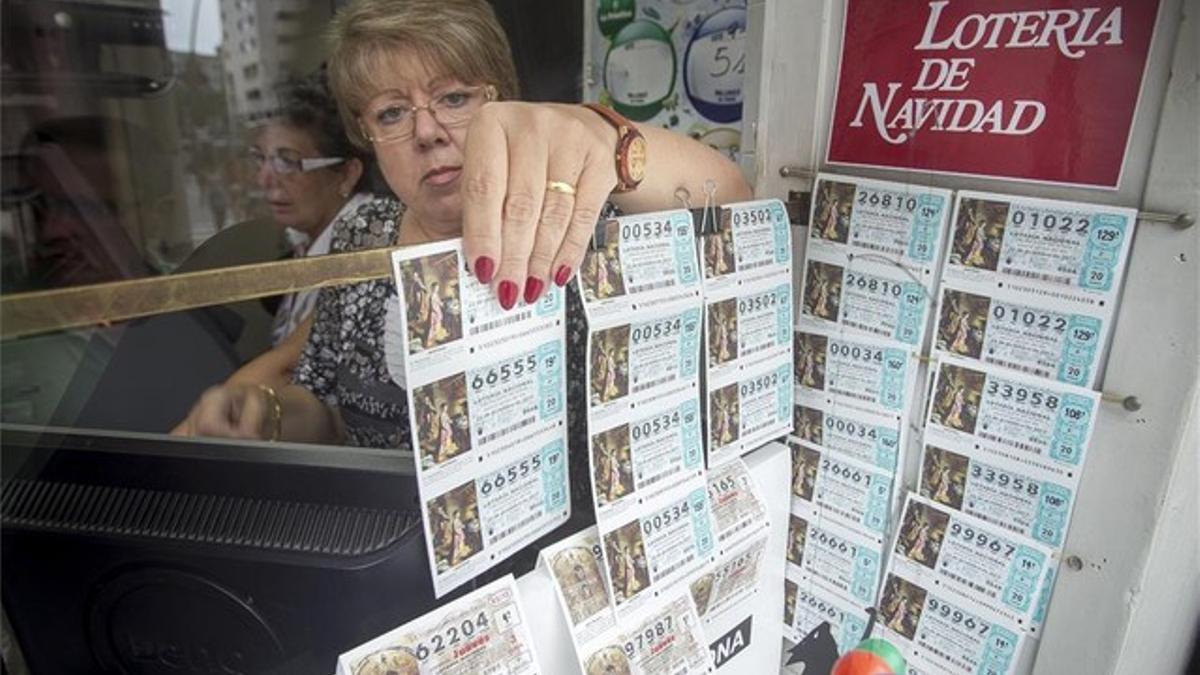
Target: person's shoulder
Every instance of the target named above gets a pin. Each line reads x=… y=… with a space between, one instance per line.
x=372 y=224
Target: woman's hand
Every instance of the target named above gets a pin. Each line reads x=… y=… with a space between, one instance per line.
x=522 y=161
x=515 y=210
x=232 y=410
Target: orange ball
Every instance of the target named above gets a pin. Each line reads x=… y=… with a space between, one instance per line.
x=855 y=662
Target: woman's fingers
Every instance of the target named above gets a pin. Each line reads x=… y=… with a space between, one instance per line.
x=527 y=158
x=596 y=182
x=564 y=166
x=484 y=181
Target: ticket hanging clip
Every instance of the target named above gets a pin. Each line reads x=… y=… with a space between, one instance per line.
x=707 y=218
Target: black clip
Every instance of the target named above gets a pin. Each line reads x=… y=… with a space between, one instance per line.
x=600 y=234
x=710 y=218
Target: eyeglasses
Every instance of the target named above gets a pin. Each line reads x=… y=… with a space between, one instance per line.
x=394 y=119
x=286 y=162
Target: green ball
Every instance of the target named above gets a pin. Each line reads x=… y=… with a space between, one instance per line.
x=886 y=651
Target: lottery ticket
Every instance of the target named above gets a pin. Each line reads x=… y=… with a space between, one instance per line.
x=748 y=328
x=862 y=293
x=845 y=560
x=869 y=437
x=856 y=494
x=576 y=564
x=635 y=364
x=738 y=510
x=937 y=546
x=1017 y=497
x=664 y=544
x=636 y=460
x=749 y=411
x=873 y=374
x=638 y=262
x=1066 y=251
x=665 y=639
x=753 y=240
x=734 y=578
x=1028 y=333
x=1043 y=602
x=900 y=221
x=808 y=607
x=483 y=631
x=941 y=632
x=487 y=401
x=1043 y=424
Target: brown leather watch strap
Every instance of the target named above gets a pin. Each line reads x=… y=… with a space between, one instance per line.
x=630 y=151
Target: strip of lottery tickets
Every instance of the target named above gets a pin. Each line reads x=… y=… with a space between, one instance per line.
x=641 y=292
x=487 y=402
x=748 y=319
x=1033 y=284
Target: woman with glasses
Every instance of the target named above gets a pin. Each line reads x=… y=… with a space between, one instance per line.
x=429 y=87
x=310 y=176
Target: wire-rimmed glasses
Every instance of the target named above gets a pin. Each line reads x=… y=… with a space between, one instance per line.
x=285 y=162
x=392 y=119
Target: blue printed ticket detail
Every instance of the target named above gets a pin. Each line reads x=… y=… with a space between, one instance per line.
x=1039 y=423
x=652 y=452
x=1017 y=497
x=670 y=539
x=1071 y=251
x=807 y=605
x=842 y=489
x=487 y=407
x=865 y=295
x=873 y=374
x=483 y=631
x=1028 y=333
x=846 y=560
x=902 y=222
x=939 y=632
x=869 y=437
x=639 y=261
x=940 y=546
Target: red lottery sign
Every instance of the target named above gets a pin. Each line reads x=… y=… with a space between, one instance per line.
x=1041 y=90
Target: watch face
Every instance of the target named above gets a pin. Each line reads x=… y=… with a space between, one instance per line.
x=635 y=159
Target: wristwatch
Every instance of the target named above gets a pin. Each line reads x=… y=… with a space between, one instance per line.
x=631 y=148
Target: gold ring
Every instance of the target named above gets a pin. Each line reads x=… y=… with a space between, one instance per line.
x=559 y=186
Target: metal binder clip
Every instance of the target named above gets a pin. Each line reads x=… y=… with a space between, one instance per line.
x=707 y=218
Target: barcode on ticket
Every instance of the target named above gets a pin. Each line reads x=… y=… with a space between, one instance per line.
x=503 y=321
x=1052 y=278
x=666 y=571
x=523 y=523
x=488 y=438
x=640 y=288
x=643 y=386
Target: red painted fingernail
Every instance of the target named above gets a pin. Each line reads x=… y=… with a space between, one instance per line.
x=508 y=294
x=563 y=275
x=485 y=267
x=533 y=289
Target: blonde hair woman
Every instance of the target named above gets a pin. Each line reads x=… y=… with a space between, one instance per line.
x=430 y=88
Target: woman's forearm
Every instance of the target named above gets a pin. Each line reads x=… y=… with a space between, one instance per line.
x=675 y=161
x=304 y=418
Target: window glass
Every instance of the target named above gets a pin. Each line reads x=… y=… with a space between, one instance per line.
x=126 y=137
